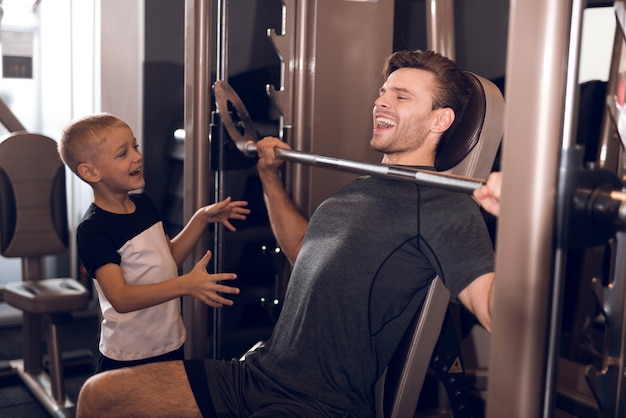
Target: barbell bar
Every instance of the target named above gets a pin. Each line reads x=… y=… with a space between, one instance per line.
x=413 y=175
x=244 y=135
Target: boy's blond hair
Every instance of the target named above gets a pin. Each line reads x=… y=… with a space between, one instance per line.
x=81 y=139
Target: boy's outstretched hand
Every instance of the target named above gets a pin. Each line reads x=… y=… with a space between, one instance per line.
x=206 y=287
x=226 y=209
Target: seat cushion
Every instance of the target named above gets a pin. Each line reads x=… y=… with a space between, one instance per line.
x=47 y=296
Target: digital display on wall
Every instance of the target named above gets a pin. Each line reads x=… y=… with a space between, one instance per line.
x=17 y=54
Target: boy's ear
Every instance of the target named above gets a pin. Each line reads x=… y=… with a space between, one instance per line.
x=88 y=173
x=445 y=118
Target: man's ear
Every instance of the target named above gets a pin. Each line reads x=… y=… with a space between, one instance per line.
x=444 y=119
x=88 y=173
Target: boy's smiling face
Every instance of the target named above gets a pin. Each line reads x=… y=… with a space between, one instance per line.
x=118 y=165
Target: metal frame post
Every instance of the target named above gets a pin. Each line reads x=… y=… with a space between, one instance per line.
x=537 y=62
x=196 y=168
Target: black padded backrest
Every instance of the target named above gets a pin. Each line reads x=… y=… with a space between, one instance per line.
x=472 y=149
x=33 y=203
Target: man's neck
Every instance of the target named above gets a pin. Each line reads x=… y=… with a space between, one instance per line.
x=414 y=159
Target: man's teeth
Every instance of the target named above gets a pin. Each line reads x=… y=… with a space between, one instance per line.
x=384 y=123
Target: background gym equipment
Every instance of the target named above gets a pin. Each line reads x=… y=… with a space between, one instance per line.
x=33 y=225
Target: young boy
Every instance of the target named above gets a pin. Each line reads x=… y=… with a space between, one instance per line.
x=122 y=243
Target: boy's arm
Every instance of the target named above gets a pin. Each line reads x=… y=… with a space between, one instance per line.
x=197 y=283
x=222 y=211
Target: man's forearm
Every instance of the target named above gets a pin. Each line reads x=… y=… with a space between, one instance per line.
x=288 y=224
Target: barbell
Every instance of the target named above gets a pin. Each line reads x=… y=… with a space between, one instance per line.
x=239 y=126
x=595 y=200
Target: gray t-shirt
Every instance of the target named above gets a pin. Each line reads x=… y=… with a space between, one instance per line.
x=368 y=257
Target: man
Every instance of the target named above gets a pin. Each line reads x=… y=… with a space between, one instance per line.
x=361 y=268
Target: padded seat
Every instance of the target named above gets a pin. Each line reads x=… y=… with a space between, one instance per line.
x=47 y=296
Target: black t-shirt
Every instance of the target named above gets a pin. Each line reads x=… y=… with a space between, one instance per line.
x=369 y=254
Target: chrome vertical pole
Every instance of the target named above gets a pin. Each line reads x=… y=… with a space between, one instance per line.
x=537 y=63
x=218 y=180
x=568 y=158
x=440 y=27
x=196 y=167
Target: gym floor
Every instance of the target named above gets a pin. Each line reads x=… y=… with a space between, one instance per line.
x=78 y=338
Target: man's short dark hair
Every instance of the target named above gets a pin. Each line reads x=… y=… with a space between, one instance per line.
x=453 y=88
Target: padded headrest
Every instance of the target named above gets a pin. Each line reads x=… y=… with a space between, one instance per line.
x=472 y=148
x=33 y=206
x=467 y=132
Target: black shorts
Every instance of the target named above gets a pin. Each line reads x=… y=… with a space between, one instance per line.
x=233 y=389
x=105 y=363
